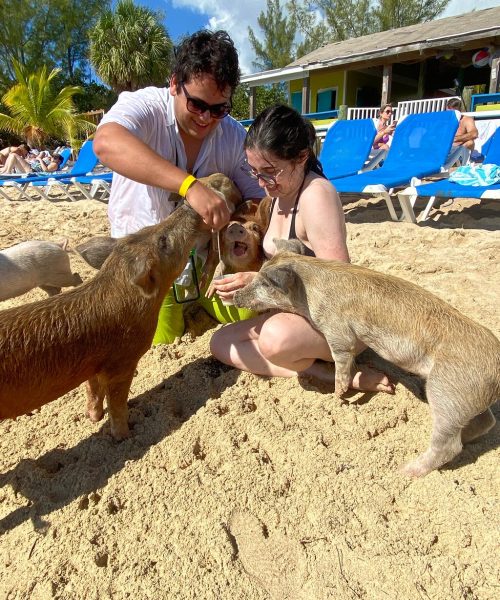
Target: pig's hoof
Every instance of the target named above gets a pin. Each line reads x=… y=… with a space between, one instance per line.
x=95 y=414
x=120 y=433
x=415 y=469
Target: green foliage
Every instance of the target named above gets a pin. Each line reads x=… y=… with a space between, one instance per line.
x=279 y=34
x=38 y=112
x=325 y=21
x=49 y=32
x=265 y=96
x=130 y=48
x=392 y=14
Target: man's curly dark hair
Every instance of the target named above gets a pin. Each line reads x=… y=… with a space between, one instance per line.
x=207 y=52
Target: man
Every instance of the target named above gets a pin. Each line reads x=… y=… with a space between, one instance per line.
x=467 y=130
x=158 y=140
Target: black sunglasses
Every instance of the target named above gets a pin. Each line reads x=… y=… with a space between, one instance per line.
x=198 y=107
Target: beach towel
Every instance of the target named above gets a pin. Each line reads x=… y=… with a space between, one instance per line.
x=476 y=175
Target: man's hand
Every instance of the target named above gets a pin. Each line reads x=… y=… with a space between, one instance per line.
x=211 y=207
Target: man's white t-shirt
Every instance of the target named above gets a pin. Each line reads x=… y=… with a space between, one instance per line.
x=149 y=115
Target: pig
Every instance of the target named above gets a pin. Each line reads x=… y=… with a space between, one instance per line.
x=98 y=331
x=96 y=250
x=35 y=264
x=403 y=323
x=240 y=240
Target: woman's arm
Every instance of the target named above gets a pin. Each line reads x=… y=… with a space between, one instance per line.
x=321 y=221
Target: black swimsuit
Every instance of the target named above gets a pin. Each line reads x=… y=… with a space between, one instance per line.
x=293 y=235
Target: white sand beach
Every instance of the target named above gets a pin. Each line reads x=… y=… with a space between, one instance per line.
x=238 y=487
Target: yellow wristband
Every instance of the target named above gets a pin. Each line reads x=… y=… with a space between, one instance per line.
x=186 y=184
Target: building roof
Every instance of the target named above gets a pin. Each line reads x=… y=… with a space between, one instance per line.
x=460 y=32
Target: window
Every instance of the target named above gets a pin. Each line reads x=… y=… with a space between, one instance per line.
x=297 y=101
x=326 y=99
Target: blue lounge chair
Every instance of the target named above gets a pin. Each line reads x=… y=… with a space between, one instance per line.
x=346 y=147
x=420 y=147
x=84 y=164
x=88 y=185
x=445 y=189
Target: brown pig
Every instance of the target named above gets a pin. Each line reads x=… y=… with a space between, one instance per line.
x=240 y=240
x=403 y=323
x=98 y=331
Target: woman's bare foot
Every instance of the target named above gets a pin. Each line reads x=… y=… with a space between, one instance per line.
x=365 y=379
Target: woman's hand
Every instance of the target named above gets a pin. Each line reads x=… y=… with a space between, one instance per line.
x=226 y=286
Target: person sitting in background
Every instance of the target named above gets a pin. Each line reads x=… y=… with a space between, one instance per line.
x=22 y=150
x=385 y=131
x=467 y=130
x=44 y=163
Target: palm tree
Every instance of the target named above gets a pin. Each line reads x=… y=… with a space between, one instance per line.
x=130 y=48
x=38 y=112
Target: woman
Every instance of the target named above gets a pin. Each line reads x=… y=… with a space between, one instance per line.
x=279 y=148
x=22 y=150
x=40 y=164
x=385 y=131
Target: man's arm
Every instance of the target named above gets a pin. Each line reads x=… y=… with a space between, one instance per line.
x=123 y=152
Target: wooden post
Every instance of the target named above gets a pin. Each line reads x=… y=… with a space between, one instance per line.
x=421 y=79
x=495 y=63
x=305 y=95
x=252 y=102
x=386 y=84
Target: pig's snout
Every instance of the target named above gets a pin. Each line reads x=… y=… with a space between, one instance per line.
x=235 y=232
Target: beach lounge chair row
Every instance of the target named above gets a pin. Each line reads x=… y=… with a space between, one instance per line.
x=81 y=175
x=421 y=147
x=446 y=190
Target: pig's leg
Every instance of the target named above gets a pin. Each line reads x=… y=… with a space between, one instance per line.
x=50 y=289
x=478 y=426
x=95 y=398
x=447 y=420
x=117 y=405
x=343 y=348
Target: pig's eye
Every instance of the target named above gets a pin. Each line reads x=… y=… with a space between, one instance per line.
x=255 y=228
x=162 y=242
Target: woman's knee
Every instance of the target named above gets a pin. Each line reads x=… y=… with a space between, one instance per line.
x=274 y=339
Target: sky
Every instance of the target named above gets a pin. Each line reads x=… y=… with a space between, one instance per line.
x=235 y=16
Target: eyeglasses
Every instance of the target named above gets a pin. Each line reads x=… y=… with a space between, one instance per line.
x=388 y=111
x=267 y=179
x=198 y=107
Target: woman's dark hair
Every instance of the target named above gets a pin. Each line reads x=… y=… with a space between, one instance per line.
x=57 y=157
x=207 y=52
x=286 y=134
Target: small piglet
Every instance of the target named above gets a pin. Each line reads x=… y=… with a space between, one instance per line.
x=240 y=240
x=403 y=323
x=35 y=264
x=98 y=331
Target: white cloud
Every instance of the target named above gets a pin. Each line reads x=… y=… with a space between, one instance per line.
x=235 y=16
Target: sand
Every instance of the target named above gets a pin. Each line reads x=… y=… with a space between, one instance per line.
x=238 y=487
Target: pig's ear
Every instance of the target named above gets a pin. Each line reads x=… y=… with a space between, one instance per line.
x=282 y=278
x=263 y=212
x=246 y=209
x=294 y=246
x=144 y=274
